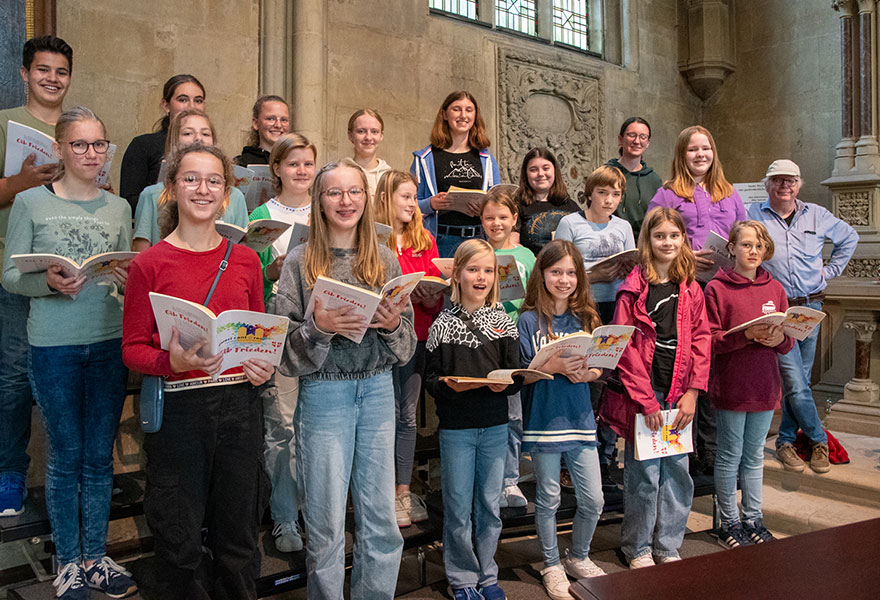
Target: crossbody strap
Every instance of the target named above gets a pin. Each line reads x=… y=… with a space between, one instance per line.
x=223 y=264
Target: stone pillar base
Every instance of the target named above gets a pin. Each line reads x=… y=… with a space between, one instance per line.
x=854 y=417
x=862 y=391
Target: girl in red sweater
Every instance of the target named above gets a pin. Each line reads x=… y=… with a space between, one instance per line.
x=746 y=384
x=397 y=206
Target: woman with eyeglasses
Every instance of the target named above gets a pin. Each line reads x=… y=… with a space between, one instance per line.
x=190 y=126
x=74 y=331
x=641 y=180
x=457 y=156
x=143 y=157
x=205 y=464
x=344 y=417
x=271 y=120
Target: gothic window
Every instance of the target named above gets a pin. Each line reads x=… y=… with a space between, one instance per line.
x=571 y=23
x=518 y=15
x=462 y=8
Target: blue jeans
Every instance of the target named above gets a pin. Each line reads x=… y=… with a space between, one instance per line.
x=741 y=437
x=345 y=436
x=279 y=405
x=407 y=389
x=448 y=244
x=15 y=390
x=798 y=408
x=583 y=465
x=472 y=472
x=80 y=390
x=514 y=440
x=657 y=497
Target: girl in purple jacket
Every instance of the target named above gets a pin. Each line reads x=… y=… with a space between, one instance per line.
x=664 y=366
x=746 y=385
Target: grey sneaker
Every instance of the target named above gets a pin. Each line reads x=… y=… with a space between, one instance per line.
x=288 y=536
x=788 y=456
x=819 y=458
x=580 y=568
x=556 y=584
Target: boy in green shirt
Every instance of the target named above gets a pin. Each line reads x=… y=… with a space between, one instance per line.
x=45 y=69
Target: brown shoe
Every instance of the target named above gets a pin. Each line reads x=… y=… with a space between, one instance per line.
x=819 y=458
x=788 y=456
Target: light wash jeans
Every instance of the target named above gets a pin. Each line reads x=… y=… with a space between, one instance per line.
x=514 y=440
x=741 y=437
x=583 y=465
x=472 y=472
x=345 y=437
x=15 y=389
x=80 y=390
x=657 y=497
x=279 y=405
x=798 y=408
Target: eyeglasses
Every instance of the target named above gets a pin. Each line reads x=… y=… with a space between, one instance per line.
x=82 y=146
x=784 y=181
x=355 y=193
x=642 y=137
x=215 y=183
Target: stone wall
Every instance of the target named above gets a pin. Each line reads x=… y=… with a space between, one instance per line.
x=125 y=51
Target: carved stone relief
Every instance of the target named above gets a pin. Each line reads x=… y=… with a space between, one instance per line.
x=854 y=207
x=542 y=102
x=862 y=267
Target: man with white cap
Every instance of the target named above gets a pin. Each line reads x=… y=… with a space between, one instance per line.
x=799 y=231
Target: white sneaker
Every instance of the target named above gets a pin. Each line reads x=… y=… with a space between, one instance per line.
x=556 y=583
x=402 y=507
x=645 y=560
x=579 y=568
x=288 y=536
x=666 y=559
x=418 y=511
x=513 y=497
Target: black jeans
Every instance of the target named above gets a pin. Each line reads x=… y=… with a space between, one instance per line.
x=205 y=467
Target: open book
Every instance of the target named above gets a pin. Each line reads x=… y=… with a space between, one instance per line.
x=260 y=189
x=433 y=285
x=237 y=334
x=334 y=294
x=99 y=267
x=243 y=177
x=602 y=348
x=625 y=259
x=444 y=265
x=720 y=256
x=502 y=376
x=666 y=441
x=797 y=322
x=300 y=234
x=510 y=283
x=461 y=197
x=22 y=141
x=258 y=236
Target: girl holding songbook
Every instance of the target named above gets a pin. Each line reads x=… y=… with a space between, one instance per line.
x=558 y=417
x=396 y=205
x=746 y=386
x=472 y=338
x=663 y=367
x=189 y=126
x=205 y=464
x=74 y=332
x=345 y=413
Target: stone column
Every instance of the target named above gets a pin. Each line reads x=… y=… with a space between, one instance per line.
x=846 y=148
x=867 y=149
x=309 y=71
x=861 y=388
x=276 y=48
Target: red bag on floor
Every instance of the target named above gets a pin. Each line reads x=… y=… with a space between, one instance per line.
x=836 y=452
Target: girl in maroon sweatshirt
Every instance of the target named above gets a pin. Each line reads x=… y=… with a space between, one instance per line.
x=746 y=386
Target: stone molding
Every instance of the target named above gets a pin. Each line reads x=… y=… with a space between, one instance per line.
x=543 y=101
x=864 y=329
x=862 y=268
x=854 y=207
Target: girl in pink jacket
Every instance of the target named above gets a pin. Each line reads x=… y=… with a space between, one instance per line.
x=664 y=366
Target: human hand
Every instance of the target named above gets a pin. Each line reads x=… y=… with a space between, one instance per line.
x=66 y=285
x=475 y=207
x=107 y=186
x=387 y=315
x=603 y=273
x=687 y=406
x=654 y=421
x=273 y=269
x=439 y=201
x=703 y=263
x=32 y=175
x=772 y=337
x=462 y=386
x=120 y=273
x=257 y=370
x=189 y=360
x=498 y=387
x=340 y=320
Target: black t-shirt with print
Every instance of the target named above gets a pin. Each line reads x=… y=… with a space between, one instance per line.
x=462 y=170
x=662 y=307
x=539 y=220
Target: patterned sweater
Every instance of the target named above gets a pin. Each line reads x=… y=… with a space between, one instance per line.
x=455 y=350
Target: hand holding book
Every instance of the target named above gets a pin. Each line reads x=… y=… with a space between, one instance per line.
x=342 y=319
x=766 y=334
x=189 y=360
x=56 y=280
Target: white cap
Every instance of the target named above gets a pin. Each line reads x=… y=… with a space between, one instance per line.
x=783 y=167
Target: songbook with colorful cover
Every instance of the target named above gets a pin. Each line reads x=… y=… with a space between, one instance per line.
x=334 y=294
x=602 y=349
x=237 y=334
x=797 y=322
x=258 y=235
x=502 y=376
x=100 y=267
x=666 y=441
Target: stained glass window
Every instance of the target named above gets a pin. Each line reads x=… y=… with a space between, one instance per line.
x=571 y=23
x=518 y=15
x=463 y=8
